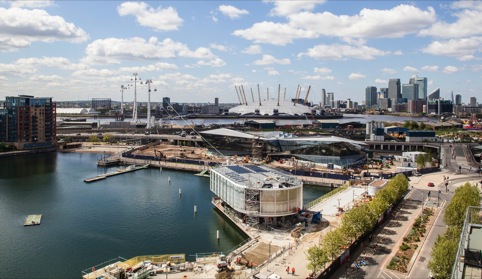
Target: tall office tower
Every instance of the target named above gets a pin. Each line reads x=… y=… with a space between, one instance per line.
x=370 y=96
x=410 y=91
x=349 y=103
x=330 y=99
x=28 y=123
x=422 y=86
x=394 y=90
x=473 y=101
x=166 y=102
x=323 y=98
x=458 y=99
x=384 y=91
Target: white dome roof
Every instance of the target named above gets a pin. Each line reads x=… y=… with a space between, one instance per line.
x=268 y=107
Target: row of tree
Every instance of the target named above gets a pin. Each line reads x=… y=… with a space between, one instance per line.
x=445 y=249
x=6 y=147
x=355 y=223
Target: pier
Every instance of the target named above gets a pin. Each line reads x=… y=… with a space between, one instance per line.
x=119 y=171
x=33 y=220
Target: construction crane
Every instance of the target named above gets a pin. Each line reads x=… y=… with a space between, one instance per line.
x=307 y=93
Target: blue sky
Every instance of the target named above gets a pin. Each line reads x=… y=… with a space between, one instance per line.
x=195 y=51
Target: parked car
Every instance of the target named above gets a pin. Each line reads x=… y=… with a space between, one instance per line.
x=430 y=184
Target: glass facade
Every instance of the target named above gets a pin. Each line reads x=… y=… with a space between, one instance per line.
x=275 y=195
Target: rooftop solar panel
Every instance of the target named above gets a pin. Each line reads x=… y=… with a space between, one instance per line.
x=238 y=169
x=255 y=168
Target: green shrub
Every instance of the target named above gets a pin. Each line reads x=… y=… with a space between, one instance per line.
x=404 y=246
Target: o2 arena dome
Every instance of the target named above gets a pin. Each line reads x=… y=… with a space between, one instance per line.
x=271 y=107
x=257 y=106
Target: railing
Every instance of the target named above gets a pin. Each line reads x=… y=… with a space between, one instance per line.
x=101 y=265
x=326 y=196
x=174 y=258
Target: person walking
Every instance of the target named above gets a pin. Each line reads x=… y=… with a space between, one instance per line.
x=293 y=271
x=288 y=269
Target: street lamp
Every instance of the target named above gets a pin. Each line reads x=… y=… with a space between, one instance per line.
x=134 y=110
x=422 y=206
x=148 y=82
x=269 y=256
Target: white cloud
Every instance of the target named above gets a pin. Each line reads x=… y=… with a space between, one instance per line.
x=15 y=69
x=31 y=4
x=159 y=19
x=54 y=62
x=218 y=47
x=394 y=23
x=213 y=14
x=429 y=68
x=156 y=67
x=21 y=27
x=252 y=49
x=410 y=69
x=273 y=73
x=463 y=49
x=216 y=62
x=46 y=78
x=355 y=76
x=273 y=33
x=269 y=59
x=232 y=12
x=340 y=52
x=322 y=70
x=286 y=8
x=114 y=50
x=381 y=81
x=389 y=71
x=318 y=77
x=468 y=23
x=451 y=69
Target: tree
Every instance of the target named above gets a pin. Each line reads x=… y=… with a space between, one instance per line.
x=93 y=138
x=464 y=196
x=422 y=126
x=420 y=161
x=443 y=256
x=332 y=243
x=317 y=258
x=108 y=138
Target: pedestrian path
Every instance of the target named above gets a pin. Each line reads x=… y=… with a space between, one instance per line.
x=384 y=243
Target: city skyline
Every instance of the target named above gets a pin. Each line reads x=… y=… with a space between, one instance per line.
x=195 y=51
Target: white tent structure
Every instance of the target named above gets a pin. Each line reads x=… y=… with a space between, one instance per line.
x=80 y=111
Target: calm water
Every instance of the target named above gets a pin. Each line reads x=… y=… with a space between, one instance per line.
x=85 y=224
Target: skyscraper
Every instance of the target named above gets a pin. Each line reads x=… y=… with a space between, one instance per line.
x=370 y=96
x=323 y=98
x=394 y=90
x=422 y=86
x=330 y=99
x=473 y=101
x=27 y=122
x=458 y=99
x=410 y=91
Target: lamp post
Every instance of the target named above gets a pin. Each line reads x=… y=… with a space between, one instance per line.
x=269 y=256
x=422 y=206
x=148 y=82
x=134 y=109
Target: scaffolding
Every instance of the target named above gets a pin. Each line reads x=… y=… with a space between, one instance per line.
x=252 y=206
x=257 y=148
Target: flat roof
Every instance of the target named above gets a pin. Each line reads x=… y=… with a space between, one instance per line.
x=258 y=176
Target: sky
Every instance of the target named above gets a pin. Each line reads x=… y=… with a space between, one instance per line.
x=195 y=51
